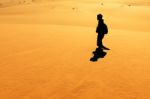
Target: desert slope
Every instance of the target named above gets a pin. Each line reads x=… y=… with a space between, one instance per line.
x=52 y=62
x=46 y=47
x=116 y=15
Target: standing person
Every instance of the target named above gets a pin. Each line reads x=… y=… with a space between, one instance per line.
x=101 y=31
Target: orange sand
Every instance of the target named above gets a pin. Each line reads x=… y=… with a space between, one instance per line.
x=46 y=47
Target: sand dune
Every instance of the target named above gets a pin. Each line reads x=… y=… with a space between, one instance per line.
x=46 y=63
x=6 y=3
x=46 y=47
x=83 y=14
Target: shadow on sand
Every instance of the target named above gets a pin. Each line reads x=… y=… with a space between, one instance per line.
x=98 y=53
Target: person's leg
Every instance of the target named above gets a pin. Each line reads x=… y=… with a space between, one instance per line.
x=99 y=40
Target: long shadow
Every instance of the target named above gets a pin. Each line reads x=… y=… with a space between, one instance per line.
x=98 y=53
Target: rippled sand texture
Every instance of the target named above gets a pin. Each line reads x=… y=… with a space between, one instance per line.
x=46 y=47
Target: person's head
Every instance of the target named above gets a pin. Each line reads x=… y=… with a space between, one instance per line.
x=99 y=16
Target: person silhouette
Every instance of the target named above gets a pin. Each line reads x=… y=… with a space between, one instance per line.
x=101 y=30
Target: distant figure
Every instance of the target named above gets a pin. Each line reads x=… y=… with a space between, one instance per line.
x=101 y=30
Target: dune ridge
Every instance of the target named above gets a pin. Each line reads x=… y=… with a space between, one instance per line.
x=80 y=13
x=7 y=3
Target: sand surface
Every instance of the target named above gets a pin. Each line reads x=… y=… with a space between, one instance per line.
x=46 y=47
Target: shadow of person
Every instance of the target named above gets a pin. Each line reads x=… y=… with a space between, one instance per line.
x=98 y=53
